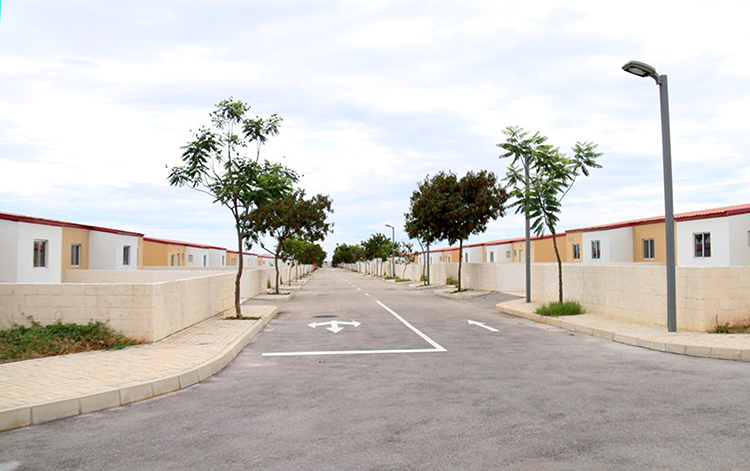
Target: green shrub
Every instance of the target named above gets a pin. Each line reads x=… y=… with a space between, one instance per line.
x=20 y=342
x=451 y=281
x=555 y=309
x=423 y=278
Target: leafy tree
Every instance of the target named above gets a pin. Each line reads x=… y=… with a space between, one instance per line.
x=212 y=165
x=402 y=255
x=551 y=175
x=258 y=130
x=347 y=254
x=291 y=216
x=458 y=208
x=304 y=252
x=377 y=247
x=423 y=221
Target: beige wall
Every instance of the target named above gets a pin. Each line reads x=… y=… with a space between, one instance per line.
x=573 y=238
x=71 y=236
x=147 y=304
x=517 y=248
x=155 y=254
x=544 y=250
x=650 y=231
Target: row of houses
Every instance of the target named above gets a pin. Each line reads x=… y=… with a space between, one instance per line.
x=718 y=237
x=37 y=250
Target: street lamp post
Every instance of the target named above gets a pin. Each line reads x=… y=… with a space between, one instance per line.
x=393 y=247
x=644 y=70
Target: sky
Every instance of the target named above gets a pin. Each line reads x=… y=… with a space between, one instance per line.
x=97 y=98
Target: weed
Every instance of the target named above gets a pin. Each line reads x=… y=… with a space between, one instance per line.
x=451 y=281
x=555 y=309
x=727 y=328
x=21 y=343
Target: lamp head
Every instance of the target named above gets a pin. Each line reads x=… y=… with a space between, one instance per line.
x=641 y=69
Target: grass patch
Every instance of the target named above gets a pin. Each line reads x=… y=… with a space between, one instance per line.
x=555 y=309
x=740 y=328
x=37 y=341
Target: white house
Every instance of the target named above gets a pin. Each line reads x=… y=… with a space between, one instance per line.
x=714 y=238
x=608 y=245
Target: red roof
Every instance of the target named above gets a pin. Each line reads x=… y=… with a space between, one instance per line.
x=702 y=214
x=179 y=242
x=52 y=222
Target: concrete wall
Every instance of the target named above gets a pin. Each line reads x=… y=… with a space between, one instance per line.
x=26 y=272
x=616 y=245
x=719 y=229
x=739 y=239
x=196 y=256
x=147 y=304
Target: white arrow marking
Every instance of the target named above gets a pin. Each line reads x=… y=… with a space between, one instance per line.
x=335 y=326
x=483 y=325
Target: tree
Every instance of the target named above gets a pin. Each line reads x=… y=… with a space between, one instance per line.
x=347 y=254
x=377 y=247
x=458 y=208
x=540 y=176
x=423 y=221
x=304 y=252
x=402 y=255
x=291 y=216
x=212 y=165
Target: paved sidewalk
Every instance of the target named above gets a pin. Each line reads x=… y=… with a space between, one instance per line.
x=45 y=389
x=699 y=344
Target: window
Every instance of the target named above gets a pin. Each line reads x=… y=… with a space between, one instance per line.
x=40 y=253
x=126 y=255
x=702 y=244
x=596 y=249
x=205 y=261
x=648 y=249
x=223 y=260
x=75 y=255
x=507 y=254
x=492 y=257
x=190 y=258
x=466 y=258
x=576 y=251
x=171 y=261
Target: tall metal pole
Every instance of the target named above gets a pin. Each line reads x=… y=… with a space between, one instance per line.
x=393 y=248
x=668 y=206
x=528 y=239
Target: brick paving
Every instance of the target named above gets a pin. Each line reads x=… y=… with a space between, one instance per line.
x=44 y=380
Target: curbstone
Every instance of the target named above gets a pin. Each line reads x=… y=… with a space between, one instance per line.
x=100 y=401
x=15 y=418
x=725 y=353
x=166 y=385
x=54 y=410
x=698 y=351
x=135 y=393
x=675 y=348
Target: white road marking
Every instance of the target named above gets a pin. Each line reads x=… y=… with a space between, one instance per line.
x=367 y=295
x=436 y=347
x=9 y=466
x=335 y=325
x=483 y=325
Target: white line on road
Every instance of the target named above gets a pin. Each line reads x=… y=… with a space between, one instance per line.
x=367 y=295
x=437 y=348
x=483 y=325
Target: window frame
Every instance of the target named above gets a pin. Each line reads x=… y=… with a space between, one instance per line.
x=596 y=249
x=75 y=255
x=704 y=246
x=126 y=255
x=40 y=253
x=576 y=251
x=649 y=249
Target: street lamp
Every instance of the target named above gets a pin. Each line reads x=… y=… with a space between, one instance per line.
x=393 y=247
x=644 y=70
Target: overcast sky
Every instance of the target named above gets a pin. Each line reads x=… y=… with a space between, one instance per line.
x=97 y=97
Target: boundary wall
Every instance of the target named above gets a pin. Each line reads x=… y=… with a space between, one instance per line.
x=145 y=304
x=706 y=296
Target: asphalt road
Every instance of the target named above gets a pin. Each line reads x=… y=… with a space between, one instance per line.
x=420 y=388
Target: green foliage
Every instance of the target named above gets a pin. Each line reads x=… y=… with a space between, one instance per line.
x=727 y=328
x=36 y=341
x=378 y=246
x=445 y=207
x=451 y=281
x=291 y=216
x=556 y=309
x=211 y=164
x=303 y=251
x=551 y=175
x=345 y=253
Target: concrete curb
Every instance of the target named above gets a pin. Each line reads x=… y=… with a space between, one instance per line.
x=450 y=294
x=64 y=408
x=718 y=353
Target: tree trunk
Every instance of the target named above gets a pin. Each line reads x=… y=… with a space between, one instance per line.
x=428 y=264
x=237 y=308
x=460 y=261
x=559 y=268
x=276 y=266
